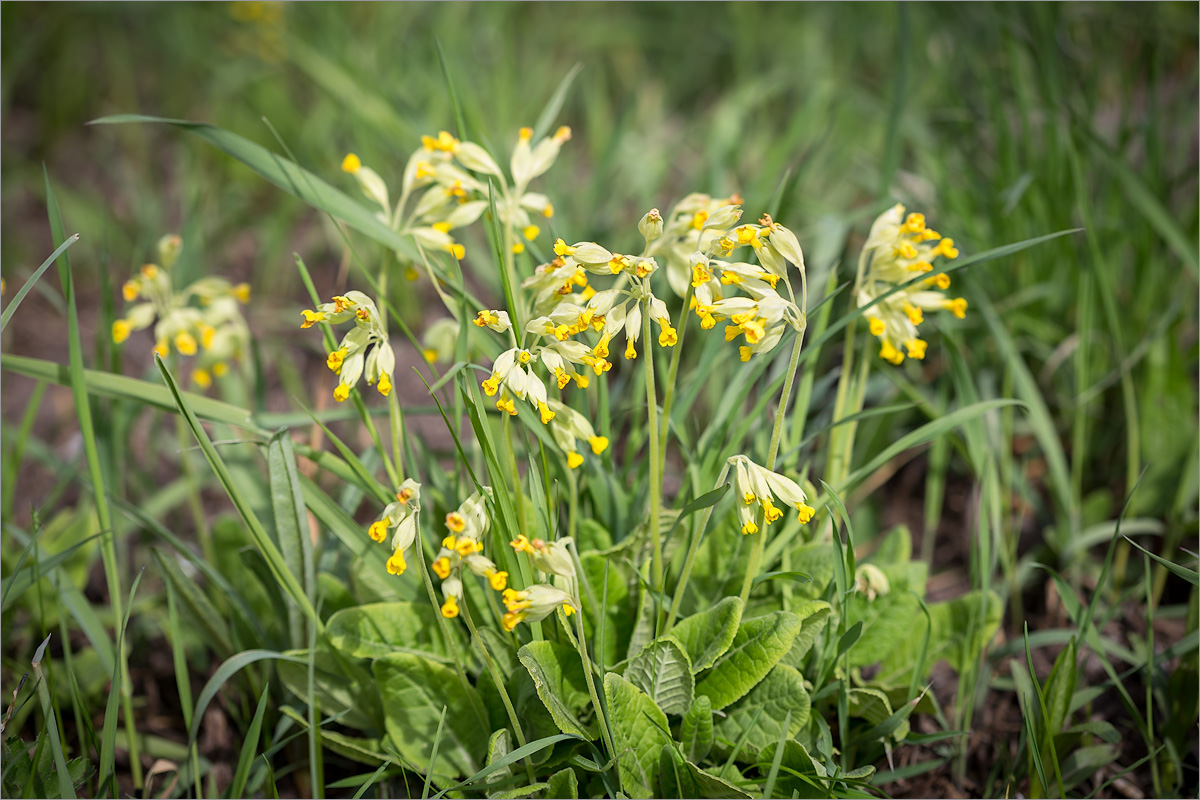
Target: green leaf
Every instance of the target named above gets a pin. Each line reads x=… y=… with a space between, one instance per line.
x=338 y=691
x=291 y=524
x=355 y=748
x=563 y=785
x=557 y=674
x=887 y=621
x=1060 y=687
x=948 y=638
x=696 y=730
x=757 y=647
x=681 y=778
x=800 y=775
x=104 y=384
x=664 y=672
x=706 y=636
x=207 y=621
x=781 y=693
x=815 y=615
x=415 y=689
x=498 y=747
x=639 y=733
x=379 y=629
x=249 y=748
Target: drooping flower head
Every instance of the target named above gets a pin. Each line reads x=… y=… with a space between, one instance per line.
x=758 y=486
x=898 y=249
x=364 y=350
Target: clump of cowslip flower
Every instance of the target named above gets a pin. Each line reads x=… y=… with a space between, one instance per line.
x=449 y=180
x=364 y=350
x=758 y=486
x=463 y=547
x=203 y=319
x=403 y=515
x=898 y=249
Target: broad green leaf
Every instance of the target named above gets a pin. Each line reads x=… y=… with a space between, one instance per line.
x=757 y=647
x=557 y=674
x=887 y=621
x=563 y=785
x=664 y=672
x=498 y=747
x=1060 y=686
x=815 y=559
x=379 y=629
x=415 y=690
x=706 y=636
x=364 y=751
x=336 y=692
x=949 y=638
x=291 y=524
x=815 y=615
x=800 y=775
x=639 y=733
x=779 y=694
x=696 y=730
x=681 y=778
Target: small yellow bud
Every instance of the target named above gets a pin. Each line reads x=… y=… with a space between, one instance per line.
x=456 y=522
x=385 y=384
x=531 y=232
x=450 y=608
x=667 y=337
x=599 y=444
x=351 y=163
x=430 y=354
x=946 y=249
x=546 y=413
x=958 y=307
x=630 y=352
x=201 y=378
x=130 y=291
x=497 y=580
x=744 y=353
x=219 y=369
x=242 y=293
x=749 y=528
x=396 y=564
x=916 y=348
x=311 y=318
x=341 y=393
x=806 y=512
x=457 y=250
x=207 y=333
x=378 y=530
x=161 y=347
x=574 y=460
x=548 y=211
x=876 y=325
x=914 y=314
x=336 y=359
x=941 y=281
x=149 y=271
x=518 y=248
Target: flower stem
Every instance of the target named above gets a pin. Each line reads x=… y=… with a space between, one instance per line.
x=476 y=704
x=760 y=541
x=601 y=718
x=656 y=570
x=693 y=549
x=498 y=680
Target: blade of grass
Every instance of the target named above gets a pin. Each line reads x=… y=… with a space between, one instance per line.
x=15 y=303
x=249 y=745
x=65 y=789
x=108 y=733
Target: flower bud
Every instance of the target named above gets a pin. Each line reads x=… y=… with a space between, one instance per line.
x=169 y=248
x=651 y=226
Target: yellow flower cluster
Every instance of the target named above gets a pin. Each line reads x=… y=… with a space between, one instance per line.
x=759 y=486
x=898 y=249
x=449 y=180
x=541 y=600
x=211 y=328
x=402 y=514
x=463 y=547
x=365 y=350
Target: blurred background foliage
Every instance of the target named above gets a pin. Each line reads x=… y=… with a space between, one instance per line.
x=1002 y=122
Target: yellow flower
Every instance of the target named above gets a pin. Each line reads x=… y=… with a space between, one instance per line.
x=130 y=291
x=185 y=343
x=441 y=567
x=385 y=384
x=378 y=530
x=456 y=522
x=599 y=444
x=311 y=318
x=498 y=580
x=121 y=330
x=574 y=459
x=450 y=607
x=396 y=564
x=351 y=163
x=161 y=347
x=242 y=293
x=335 y=359
x=341 y=393
x=201 y=378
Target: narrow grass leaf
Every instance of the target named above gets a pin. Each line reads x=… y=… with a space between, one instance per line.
x=15 y=303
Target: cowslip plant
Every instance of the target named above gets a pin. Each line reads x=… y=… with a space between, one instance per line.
x=574 y=625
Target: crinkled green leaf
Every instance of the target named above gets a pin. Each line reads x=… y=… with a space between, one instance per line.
x=815 y=615
x=781 y=692
x=696 y=730
x=379 y=629
x=757 y=647
x=638 y=735
x=707 y=635
x=563 y=785
x=415 y=689
x=887 y=621
x=663 y=671
x=557 y=673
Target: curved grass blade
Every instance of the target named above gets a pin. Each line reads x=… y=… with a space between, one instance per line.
x=11 y=308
